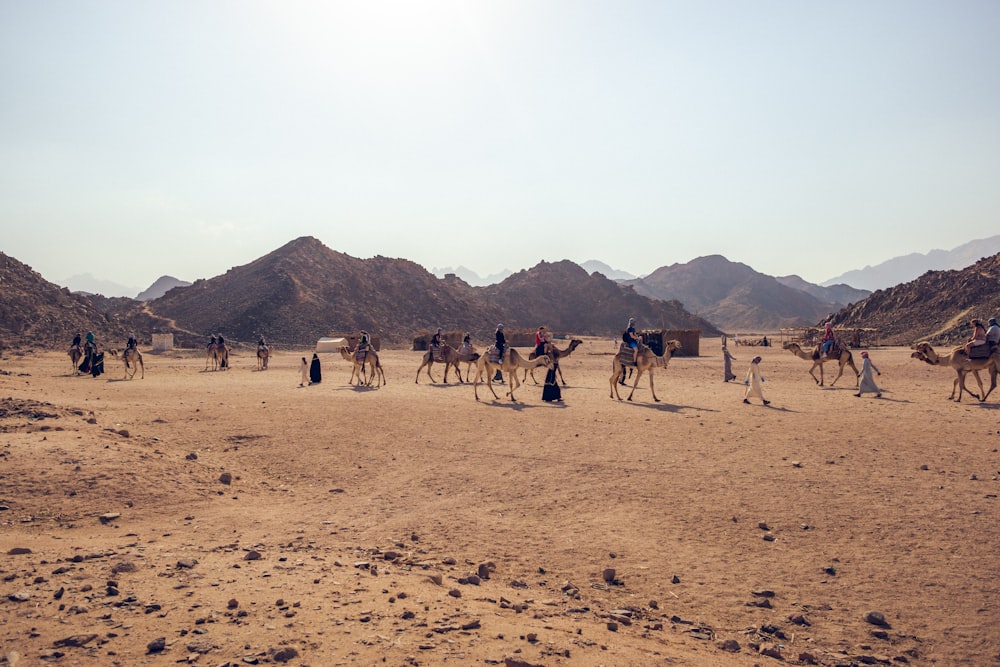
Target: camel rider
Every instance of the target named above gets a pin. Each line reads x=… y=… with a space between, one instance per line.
x=467 y=343
x=221 y=342
x=262 y=344
x=978 y=337
x=501 y=347
x=828 y=339
x=631 y=339
x=211 y=342
x=363 y=342
x=91 y=344
x=993 y=334
x=131 y=344
x=436 y=344
x=76 y=341
x=541 y=342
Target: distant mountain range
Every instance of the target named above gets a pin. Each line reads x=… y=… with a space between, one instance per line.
x=907 y=267
x=162 y=285
x=88 y=284
x=736 y=298
x=473 y=278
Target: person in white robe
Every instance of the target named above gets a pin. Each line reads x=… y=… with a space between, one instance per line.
x=753 y=381
x=305 y=372
x=867 y=384
x=727 y=360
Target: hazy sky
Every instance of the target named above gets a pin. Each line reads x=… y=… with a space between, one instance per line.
x=146 y=138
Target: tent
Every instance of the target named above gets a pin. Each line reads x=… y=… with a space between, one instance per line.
x=331 y=344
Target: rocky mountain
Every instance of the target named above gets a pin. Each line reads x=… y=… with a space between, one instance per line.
x=937 y=306
x=36 y=311
x=834 y=294
x=732 y=295
x=305 y=290
x=908 y=267
x=563 y=297
x=592 y=265
x=161 y=286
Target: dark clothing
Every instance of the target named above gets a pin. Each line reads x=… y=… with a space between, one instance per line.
x=97 y=364
x=315 y=375
x=131 y=342
x=76 y=340
x=501 y=343
x=551 y=391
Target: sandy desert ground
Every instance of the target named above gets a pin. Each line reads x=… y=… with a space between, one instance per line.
x=411 y=525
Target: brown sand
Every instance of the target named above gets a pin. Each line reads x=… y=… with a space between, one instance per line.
x=357 y=499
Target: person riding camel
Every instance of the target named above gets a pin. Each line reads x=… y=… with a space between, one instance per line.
x=132 y=343
x=828 y=339
x=467 y=344
x=541 y=342
x=77 y=339
x=262 y=344
x=363 y=342
x=501 y=348
x=436 y=345
x=632 y=339
x=978 y=337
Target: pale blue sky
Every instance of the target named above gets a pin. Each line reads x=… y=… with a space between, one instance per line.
x=146 y=138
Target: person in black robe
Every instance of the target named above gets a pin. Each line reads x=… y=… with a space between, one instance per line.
x=96 y=363
x=551 y=391
x=315 y=375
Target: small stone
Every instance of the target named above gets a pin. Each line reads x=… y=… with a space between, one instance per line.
x=449 y=561
x=876 y=618
x=108 y=517
x=20 y=596
x=799 y=619
x=252 y=555
x=807 y=658
x=763 y=525
x=233 y=603
x=157 y=645
x=484 y=570
x=762 y=592
x=123 y=566
x=226 y=478
x=455 y=593
x=471 y=625
x=612 y=626
x=123 y=433
x=75 y=641
x=675 y=580
x=609 y=575
x=19 y=551
x=284 y=654
x=186 y=563
x=730 y=645
x=769 y=537
x=653 y=604
x=436 y=578
x=192 y=457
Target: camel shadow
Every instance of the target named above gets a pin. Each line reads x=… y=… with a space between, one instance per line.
x=510 y=405
x=664 y=407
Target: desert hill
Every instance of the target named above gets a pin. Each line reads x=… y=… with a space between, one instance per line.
x=908 y=267
x=33 y=309
x=732 y=295
x=305 y=290
x=563 y=296
x=836 y=294
x=937 y=306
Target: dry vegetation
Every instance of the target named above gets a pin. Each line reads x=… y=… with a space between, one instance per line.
x=234 y=518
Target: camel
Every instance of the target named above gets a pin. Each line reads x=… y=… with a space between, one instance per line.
x=556 y=355
x=845 y=359
x=452 y=357
x=132 y=358
x=646 y=361
x=222 y=356
x=76 y=356
x=511 y=363
x=263 y=354
x=212 y=357
x=371 y=359
x=959 y=360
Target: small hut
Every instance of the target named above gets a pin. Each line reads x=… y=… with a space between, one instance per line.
x=163 y=342
x=690 y=340
x=334 y=342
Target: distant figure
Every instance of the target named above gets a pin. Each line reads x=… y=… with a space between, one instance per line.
x=304 y=368
x=978 y=337
x=551 y=391
x=867 y=385
x=315 y=374
x=727 y=360
x=993 y=334
x=78 y=339
x=753 y=382
x=541 y=341
x=211 y=342
x=764 y=342
x=467 y=348
x=131 y=342
x=436 y=345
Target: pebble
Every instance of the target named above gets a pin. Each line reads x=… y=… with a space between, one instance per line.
x=19 y=551
x=730 y=645
x=876 y=618
x=157 y=645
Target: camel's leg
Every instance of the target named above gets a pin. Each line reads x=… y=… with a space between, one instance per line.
x=617 y=371
x=638 y=374
x=514 y=382
x=458 y=372
x=840 y=372
x=142 y=368
x=422 y=364
x=651 y=389
x=993 y=382
x=559 y=371
x=818 y=380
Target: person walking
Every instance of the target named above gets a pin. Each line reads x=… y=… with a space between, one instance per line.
x=727 y=360
x=753 y=381
x=501 y=347
x=315 y=373
x=304 y=369
x=867 y=384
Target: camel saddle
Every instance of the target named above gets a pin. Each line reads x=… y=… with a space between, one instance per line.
x=493 y=354
x=441 y=354
x=625 y=354
x=979 y=351
x=360 y=356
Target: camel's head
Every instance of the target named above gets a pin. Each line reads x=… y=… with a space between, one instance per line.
x=921 y=356
x=545 y=360
x=673 y=345
x=788 y=345
x=573 y=344
x=925 y=348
